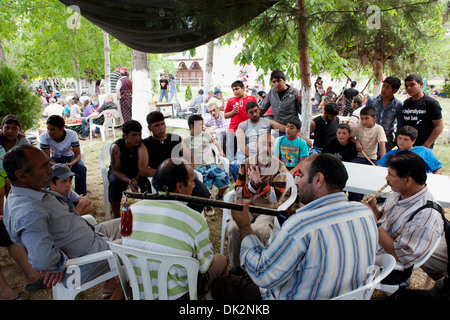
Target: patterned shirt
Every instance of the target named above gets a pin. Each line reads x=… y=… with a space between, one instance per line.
x=387 y=116
x=322 y=251
x=272 y=187
x=412 y=241
x=218 y=125
x=171 y=227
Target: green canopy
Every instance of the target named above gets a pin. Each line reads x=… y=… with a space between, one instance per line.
x=163 y=26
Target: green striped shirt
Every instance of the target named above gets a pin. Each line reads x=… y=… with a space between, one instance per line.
x=170 y=227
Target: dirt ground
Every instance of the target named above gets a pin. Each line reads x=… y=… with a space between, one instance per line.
x=92 y=151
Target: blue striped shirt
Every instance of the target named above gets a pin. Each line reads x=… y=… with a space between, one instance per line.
x=322 y=251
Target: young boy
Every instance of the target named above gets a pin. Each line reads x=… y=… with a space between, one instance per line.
x=369 y=137
x=62 y=146
x=405 y=141
x=421 y=112
x=62 y=183
x=388 y=108
x=202 y=157
x=341 y=146
x=235 y=110
x=290 y=148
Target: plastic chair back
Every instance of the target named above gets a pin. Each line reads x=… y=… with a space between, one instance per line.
x=134 y=259
x=384 y=264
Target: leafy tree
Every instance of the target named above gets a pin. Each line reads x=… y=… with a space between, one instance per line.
x=17 y=98
x=188 y=92
x=402 y=34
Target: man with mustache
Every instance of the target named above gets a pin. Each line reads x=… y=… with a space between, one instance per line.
x=406 y=232
x=46 y=224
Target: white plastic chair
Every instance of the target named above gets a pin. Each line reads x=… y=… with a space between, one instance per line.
x=218 y=158
x=384 y=264
x=231 y=196
x=62 y=293
x=133 y=258
x=106 y=152
x=391 y=288
x=109 y=123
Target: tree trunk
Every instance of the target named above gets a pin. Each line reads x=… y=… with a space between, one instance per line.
x=2 y=55
x=77 y=78
x=107 y=51
x=378 y=77
x=209 y=67
x=305 y=72
x=141 y=89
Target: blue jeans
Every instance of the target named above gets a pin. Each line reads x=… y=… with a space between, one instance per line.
x=173 y=93
x=79 y=169
x=163 y=94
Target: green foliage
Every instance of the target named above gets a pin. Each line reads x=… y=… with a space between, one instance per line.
x=446 y=89
x=17 y=98
x=188 y=93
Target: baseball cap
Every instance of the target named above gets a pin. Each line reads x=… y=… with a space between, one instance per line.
x=217 y=90
x=62 y=171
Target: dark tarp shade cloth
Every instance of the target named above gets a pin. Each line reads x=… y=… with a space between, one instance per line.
x=156 y=26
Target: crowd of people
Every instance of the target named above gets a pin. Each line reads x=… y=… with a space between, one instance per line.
x=261 y=138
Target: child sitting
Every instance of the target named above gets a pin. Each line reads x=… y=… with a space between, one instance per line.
x=407 y=136
x=369 y=137
x=290 y=148
x=62 y=183
x=202 y=157
x=341 y=146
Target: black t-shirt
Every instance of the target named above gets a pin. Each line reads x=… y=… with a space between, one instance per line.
x=420 y=115
x=325 y=131
x=128 y=159
x=350 y=94
x=345 y=153
x=160 y=150
x=163 y=83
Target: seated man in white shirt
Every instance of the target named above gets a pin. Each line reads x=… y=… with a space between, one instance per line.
x=53 y=108
x=62 y=146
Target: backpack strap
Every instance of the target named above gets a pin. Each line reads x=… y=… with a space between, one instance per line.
x=437 y=207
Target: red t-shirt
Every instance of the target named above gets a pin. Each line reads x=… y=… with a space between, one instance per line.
x=241 y=116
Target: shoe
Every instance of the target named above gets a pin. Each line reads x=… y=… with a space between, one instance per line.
x=35 y=286
x=81 y=137
x=209 y=211
x=218 y=197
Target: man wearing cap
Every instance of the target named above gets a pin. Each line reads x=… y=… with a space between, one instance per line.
x=62 y=183
x=218 y=99
x=45 y=223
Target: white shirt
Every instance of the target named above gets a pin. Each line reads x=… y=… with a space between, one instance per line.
x=53 y=109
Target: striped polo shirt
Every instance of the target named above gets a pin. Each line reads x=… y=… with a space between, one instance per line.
x=171 y=227
x=322 y=251
x=413 y=240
